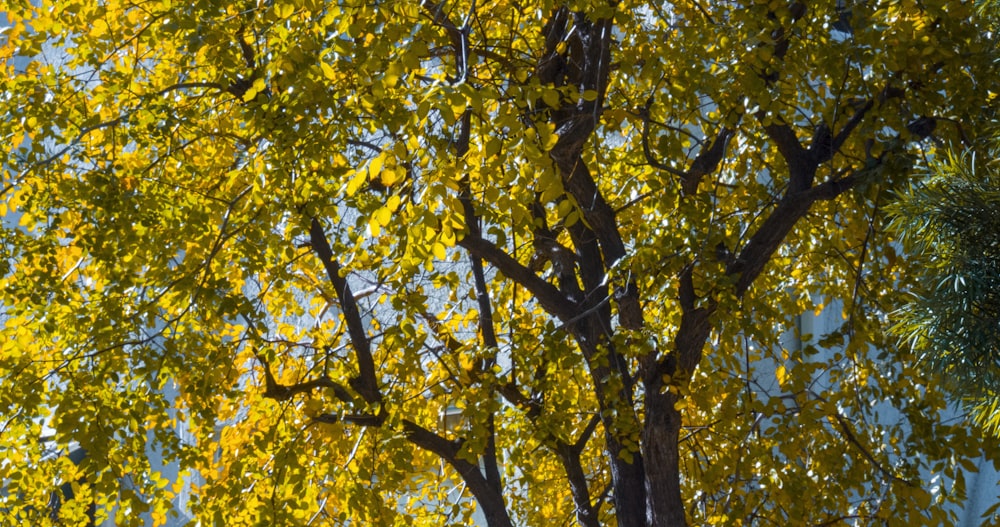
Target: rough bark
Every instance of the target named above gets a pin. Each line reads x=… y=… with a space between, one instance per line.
x=586 y=65
x=661 y=429
x=660 y=449
x=488 y=496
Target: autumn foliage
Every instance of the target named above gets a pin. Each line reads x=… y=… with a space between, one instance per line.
x=390 y=262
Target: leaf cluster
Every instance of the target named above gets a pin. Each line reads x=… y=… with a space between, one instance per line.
x=404 y=263
x=951 y=219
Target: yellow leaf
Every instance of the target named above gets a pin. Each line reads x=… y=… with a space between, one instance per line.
x=439 y=251
x=459 y=108
x=551 y=96
x=383 y=216
x=448 y=237
x=781 y=373
x=249 y=95
x=355 y=183
x=492 y=147
x=328 y=71
x=564 y=208
x=390 y=176
x=391 y=75
x=571 y=218
x=375 y=166
x=284 y=9
x=312 y=407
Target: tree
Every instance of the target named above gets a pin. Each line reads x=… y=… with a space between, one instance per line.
x=950 y=219
x=306 y=230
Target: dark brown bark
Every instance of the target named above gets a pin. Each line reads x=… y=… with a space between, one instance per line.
x=757 y=252
x=586 y=65
x=547 y=295
x=660 y=449
x=661 y=429
x=710 y=155
x=659 y=501
x=488 y=496
x=800 y=194
x=366 y=383
x=586 y=513
x=662 y=426
x=486 y=488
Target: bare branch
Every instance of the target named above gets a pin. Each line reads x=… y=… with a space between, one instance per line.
x=188 y=86
x=84 y=131
x=706 y=162
x=831 y=189
x=586 y=514
x=848 y=434
x=783 y=137
x=757 y=252
x=588 y=432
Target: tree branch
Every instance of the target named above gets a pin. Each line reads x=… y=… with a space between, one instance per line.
x=800 y=163
x=707 y=160
x=585 y=64
x=366 y=383
x=845 y=430
x=547 y=295
x=586 y=514
x=188 y=86
x=282 y=392
x=488 y=497
x=757 y=252
x=646 y=152
x=831 y=189
x=588 y=432
x=845 y=132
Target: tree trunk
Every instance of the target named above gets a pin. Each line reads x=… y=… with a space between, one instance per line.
x=627 y=483
x=660 y=437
